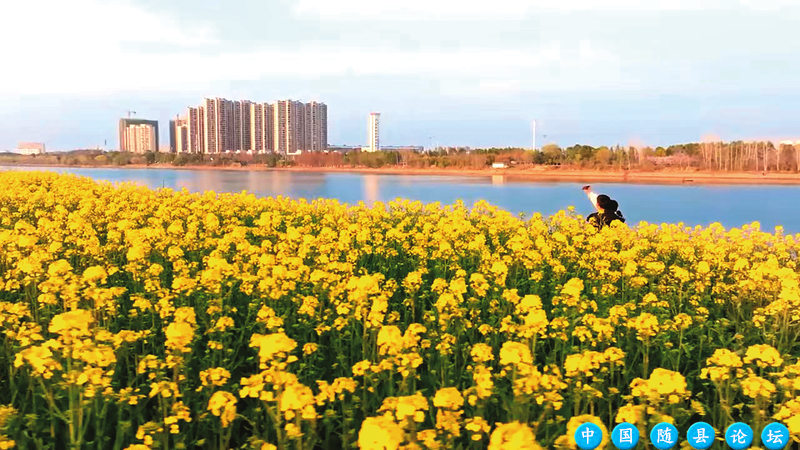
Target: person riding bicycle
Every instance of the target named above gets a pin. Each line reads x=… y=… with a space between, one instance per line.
x=607 y=209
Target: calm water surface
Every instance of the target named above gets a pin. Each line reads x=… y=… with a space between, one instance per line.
x=731 y=205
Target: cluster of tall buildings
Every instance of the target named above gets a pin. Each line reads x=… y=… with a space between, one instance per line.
x=219 y=125
x=138 y=135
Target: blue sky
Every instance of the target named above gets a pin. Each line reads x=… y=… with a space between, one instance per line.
x=456 y=72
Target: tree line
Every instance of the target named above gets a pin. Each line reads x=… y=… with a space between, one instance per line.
x=761 y=156
x=719 y=156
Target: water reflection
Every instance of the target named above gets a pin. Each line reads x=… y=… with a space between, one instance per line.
x=206 y=182
x=279 y=183
x=498 y=179
x=252 y=182
x=371 y=191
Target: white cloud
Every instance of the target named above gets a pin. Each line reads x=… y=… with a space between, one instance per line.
x=93 y=23
x=180 y=71
x=454 y=10
x=102 y=46
x=55 y=46
x=88 y=46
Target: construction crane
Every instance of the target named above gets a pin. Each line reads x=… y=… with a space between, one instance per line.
x=130 y=112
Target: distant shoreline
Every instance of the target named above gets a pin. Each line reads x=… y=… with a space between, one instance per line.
x=538 y=173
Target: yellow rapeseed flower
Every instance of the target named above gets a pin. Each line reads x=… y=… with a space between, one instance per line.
x=380 y=433
x=223 y=405
x=763 y=355
x=513 y=436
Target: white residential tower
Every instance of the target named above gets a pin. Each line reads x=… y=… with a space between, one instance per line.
x=374 y=137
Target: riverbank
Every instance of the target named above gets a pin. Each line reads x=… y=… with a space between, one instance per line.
x=582 y=175
x=536 y=173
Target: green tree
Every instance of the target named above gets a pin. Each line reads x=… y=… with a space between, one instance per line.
x=164 y=158
x=180 y=160
x=552 y=154
x=120 y=158
x=587 y=152
x=603 y=156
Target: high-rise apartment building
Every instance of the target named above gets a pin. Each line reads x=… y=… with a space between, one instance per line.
x=280 y=124
x=257 y=128
x=300 y=127
x=289 y=124
x=297 y=126
x=316 y=126
x=240 y=132
x=139 y=138
x=195 y=118
x=261 y=128
x=221 y=125
x=172 y=131
x=212 y=120
x=374 y=132
x=183 y=137
x=245 y=128
x=179 y=135
x=322 y=126
x=238 y=124
x=308 y=130
x=138 y=135
x=269 y=128
x=226 y=125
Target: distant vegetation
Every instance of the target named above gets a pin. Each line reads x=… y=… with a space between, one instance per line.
x=731 y=156
x=100 y=158
x=719 y=156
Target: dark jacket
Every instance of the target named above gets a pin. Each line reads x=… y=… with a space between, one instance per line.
x=605 y=218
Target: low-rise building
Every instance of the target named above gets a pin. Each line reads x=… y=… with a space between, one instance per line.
x=344 y=148
x=403 y=148
x=31 y=148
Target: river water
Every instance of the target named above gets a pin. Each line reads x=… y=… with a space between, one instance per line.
x=730 y=205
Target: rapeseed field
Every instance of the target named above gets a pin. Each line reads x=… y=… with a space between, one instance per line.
x=140 y=319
